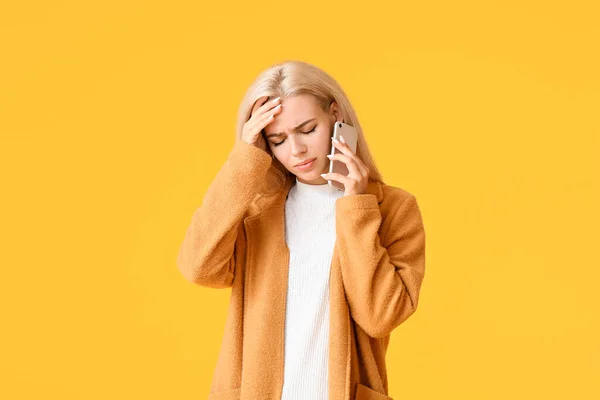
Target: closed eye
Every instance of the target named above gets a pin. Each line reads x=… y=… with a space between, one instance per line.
x=306 y=133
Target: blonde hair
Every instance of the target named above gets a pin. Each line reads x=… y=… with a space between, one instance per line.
x=292 y=78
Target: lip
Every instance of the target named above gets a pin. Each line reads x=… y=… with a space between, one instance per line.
x=306 y=164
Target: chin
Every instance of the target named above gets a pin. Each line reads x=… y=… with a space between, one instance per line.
x=314 y=175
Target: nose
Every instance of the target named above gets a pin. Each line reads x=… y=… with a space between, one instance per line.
x=297 y=146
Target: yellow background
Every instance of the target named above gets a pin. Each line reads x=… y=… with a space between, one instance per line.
x=116 y=116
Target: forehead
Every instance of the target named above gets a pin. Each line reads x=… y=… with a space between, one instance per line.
x=294 y=111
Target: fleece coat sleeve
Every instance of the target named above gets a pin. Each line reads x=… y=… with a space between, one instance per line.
x=207 y=254
x=381 y=280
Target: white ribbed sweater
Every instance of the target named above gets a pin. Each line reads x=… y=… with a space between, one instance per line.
x=310 y=236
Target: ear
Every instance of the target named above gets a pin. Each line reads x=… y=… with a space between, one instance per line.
x=335 y=113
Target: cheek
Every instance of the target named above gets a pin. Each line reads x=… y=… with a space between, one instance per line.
x=325 y=143
x=280 y=152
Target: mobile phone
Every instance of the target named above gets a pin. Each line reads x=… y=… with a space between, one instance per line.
x=350 y=135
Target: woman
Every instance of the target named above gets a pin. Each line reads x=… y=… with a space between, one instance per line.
x=319 y=277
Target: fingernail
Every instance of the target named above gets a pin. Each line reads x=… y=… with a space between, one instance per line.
x=329 y=156
x=323 y=175
x=335 y=140
x=342 y=139
x=275 y=100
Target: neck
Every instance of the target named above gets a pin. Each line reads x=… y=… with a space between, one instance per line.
x=322 y=190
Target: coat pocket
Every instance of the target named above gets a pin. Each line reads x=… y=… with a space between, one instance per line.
x=231 y=394
x=366 y=393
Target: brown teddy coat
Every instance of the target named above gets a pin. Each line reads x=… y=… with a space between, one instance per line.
x=236 y=240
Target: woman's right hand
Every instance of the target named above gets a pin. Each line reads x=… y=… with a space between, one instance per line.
x=263 y=113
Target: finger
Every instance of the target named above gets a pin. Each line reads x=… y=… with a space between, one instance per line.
x=269 y=115
x=361 y=166
x=333 y=176
x=258 y=103
x=267 y=106
x=343 y=147
x=350 y=163
x=267 y=119
x=262 y=120
x=347 y=152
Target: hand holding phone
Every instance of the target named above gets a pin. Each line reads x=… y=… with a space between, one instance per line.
x=350 y=135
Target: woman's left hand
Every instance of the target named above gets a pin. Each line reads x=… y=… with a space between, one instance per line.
x=358 y=174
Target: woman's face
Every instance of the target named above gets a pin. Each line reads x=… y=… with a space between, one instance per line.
x=301 y=132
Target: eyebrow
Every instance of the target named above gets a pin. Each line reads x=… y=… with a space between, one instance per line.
x=295 y=129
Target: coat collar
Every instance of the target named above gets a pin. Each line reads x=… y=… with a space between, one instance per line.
x=278 y=199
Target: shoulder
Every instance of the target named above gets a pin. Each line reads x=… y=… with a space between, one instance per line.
x=399 y=206
x=393 y=196
x=401 y=215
